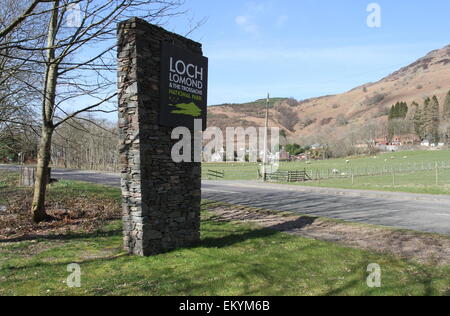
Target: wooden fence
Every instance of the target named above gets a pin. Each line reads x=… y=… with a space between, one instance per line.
x=288 y=176
x=214 y=174
x=319 y=174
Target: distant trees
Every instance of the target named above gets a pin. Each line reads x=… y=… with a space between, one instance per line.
x=446 y=119
x=427 y=120
x=294 y=149
x=435 y=120
x=446 y=113
x=431 y=121
x=398 y=111
x=354 y=141
x=287 y=117
x=86 y=143
x=397 y=124
x=418 y=121
x=18 y=142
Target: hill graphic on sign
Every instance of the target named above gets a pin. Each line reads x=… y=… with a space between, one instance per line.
x=187 y=109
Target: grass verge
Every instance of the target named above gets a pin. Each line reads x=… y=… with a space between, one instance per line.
x=232 y=259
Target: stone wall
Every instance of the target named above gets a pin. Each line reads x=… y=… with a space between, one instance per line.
x=161 y=199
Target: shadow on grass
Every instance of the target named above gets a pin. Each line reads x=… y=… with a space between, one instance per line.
x=228 y=240
x=233 y=239
x=64 y=237
x=255 y=270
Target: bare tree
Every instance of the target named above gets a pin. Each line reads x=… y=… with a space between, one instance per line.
x=27 y=11
x=78 y=58
x=18 y=76
x=86 y=143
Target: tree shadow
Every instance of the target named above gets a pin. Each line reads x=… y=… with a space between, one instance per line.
x=64 y=237
x=233 y=239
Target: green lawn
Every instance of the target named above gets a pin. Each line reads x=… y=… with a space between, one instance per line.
x=232 y=259
x=418 y=182
x=403 y=163
x=412 y=159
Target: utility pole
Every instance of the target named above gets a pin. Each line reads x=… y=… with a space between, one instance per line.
x=266 y=136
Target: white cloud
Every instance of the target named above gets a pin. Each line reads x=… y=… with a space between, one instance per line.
x=254 y=12
x=241 y=20
x=257 y=8
x=282 y=20
x=247 y=24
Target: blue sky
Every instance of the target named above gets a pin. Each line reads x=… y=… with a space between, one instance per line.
x=309 y=48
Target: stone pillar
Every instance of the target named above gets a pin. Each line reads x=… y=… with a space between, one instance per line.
x=161 y=199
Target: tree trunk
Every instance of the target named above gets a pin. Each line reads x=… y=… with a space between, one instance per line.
x=40 y=186
x=48 y=105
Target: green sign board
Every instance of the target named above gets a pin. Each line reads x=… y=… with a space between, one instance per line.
x=184 y=87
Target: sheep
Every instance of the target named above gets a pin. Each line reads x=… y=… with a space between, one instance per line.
x=335 y=171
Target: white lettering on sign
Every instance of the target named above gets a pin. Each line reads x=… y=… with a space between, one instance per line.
x=192 y=71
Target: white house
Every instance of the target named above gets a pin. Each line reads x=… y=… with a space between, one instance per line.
x=425 y=143
x=216 y=157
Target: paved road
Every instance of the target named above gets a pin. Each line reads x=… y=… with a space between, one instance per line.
x=420 y=212
x=112 y=179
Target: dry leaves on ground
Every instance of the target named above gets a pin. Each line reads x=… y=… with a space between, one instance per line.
x=68 y=214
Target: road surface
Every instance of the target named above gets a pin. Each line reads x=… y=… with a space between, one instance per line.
x=428 y=213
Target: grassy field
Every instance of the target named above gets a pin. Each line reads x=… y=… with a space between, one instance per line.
x=418 y=182
x=232 y=259
x=382 y=161
x=407 y=176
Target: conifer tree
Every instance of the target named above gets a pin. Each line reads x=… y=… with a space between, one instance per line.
x=418 y=120
x=426 y=119
x=446 y=114
x=435 y=120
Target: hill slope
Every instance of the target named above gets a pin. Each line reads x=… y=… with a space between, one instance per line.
x=341 y=113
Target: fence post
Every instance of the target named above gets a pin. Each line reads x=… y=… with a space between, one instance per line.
x=27 y=176
x=437 y=174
